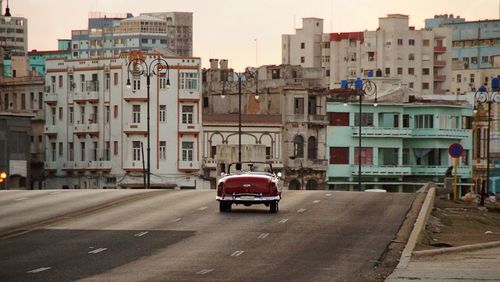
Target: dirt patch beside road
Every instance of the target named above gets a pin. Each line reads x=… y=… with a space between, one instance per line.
x=458 y=223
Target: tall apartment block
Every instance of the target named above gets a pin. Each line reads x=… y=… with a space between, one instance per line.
x=420 y=59
x=13 y=36
x=107 y=36
x=96 y=128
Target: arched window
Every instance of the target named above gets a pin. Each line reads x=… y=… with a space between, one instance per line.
x=312 y=148
x=298 y=146
x=312 y=185
x=294 y=185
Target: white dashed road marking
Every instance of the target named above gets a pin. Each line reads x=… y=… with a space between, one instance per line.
x=56 y=192
x=301 y=210
x=263 y=235
x=177 y=219
x=316 y=201
x=204 y=271
x=141 y=234
x=328 y=195
x=237 y=253
x=38 y=270
x=21 y=199
x=283 y=220
x=202 y=208
x=96 y=251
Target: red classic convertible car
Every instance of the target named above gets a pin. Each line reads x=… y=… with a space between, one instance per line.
x=249 y=183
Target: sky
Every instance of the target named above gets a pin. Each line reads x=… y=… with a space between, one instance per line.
x=247 y=33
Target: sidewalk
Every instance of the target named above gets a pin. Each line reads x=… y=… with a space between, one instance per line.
x=455 y=264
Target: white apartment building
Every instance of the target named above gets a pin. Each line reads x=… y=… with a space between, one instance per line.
x=420 y=59
x=96 y=128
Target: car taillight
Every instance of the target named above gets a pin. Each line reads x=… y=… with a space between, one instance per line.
x=219 y=189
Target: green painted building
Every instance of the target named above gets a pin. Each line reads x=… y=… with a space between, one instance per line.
x=403 y=145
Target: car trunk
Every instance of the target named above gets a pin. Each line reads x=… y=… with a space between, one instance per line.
x=252 y=184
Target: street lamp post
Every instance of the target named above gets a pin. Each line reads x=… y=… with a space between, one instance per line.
x=240 y=75
x=480 y=97
x=361 y=88
x=138 y=66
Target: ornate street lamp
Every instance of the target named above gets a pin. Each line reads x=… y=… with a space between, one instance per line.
x=361 y=88
x=8 y=16
x=138 y=66
x=482 y=96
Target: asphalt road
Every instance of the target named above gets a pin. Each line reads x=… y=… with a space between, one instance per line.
x=181 y=236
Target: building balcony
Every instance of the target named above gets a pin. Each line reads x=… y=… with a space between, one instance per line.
x=440 y=133
x=50 y=98
x=438 y=63
x=440 y=78
x=135 y=128
x=319 y=164
x=440 y=170
x=83 y=97
x=51 y=166
x=318 y=120
x=381 y=170
x=83 y=129
x=137 y=96
x=133 y=166
x=189 y=95
x=381 y=132
x=296 y=118
x=439 y=49
x=50 y=130
x=210 y=163
x=100 y=165
x=189 y=128
x=189 y=165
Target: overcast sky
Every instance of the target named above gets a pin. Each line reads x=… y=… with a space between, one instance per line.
x=228 y=28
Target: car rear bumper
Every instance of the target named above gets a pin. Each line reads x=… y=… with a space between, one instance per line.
x=247 y=199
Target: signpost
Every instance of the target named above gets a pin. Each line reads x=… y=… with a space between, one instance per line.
x=455 y=151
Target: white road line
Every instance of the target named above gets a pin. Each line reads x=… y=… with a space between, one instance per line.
x=177 y=219
x=21 y=199
x=202 y=208
x=204 y=271
x=96 y=251
x=141 y=234
x=263 y=235
x=328 y=195
x=38 y=270
x=56 y=192
x=283 y=220
x=316 y=201
x=301 y=210
x=237 y=253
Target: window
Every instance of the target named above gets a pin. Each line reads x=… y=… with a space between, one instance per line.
x=424 y=121
x=136 y=150
x=163 y=150
x=60 y=113
x=425 y=85
x=400 y=41
x=115 y=78
x=459 y=78
x=411 y=71
x=411 y=85
x=136 y=113
x=426 y=43
x=371 y=56
x=425 y=71
x=163 y=113
x=82 y=82
x=187 y=151
x=366 y=156
x=115 y=111
x=298 y=146
x=411 y=57
x=23 y=101
x=472 y=78
x=40 y=100
x=163 y=80
x=466 y=122
x=107 y=81
x=473 y=60
x=298 y=106
x=60 y=81
x=339 y=155
x=71 y=113
x=485 y=59
x=302 y=45
x=115 y=148
x=53 y=147
x=302 y=59
x=411 y=42
x=406 y=121
x=71 y=152
x=107 y=149
x=95 y=149
x=107 y=114
x=82 y=151
x=187 y=114
x=137 y=85
x=400 y=71
x=32 y=100
x=366 y=119
x=189 y=80
x=82 y=114
x=53 y=115
x=387 y=71
x=312 y=148
x=94 y=117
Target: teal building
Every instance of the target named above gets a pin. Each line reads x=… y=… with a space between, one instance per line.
x=403 y=145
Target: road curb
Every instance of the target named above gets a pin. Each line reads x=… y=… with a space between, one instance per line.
x=419 y=226
x=450 y=250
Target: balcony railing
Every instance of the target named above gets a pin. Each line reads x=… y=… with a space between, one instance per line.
x=189 y=127
x=189 y=165
x=318 y=119
x=86 y=128
x=439 y=63
x=210 y=163
x=51 y=165
x=439 y=49
x=50 y=98
x=440 y=78
x=367 y=131
x=440 y=133
x=189 y=94
x=440 y=170
x=381 y=170
x=80 y=97
x=51 y=129
x=135 y=128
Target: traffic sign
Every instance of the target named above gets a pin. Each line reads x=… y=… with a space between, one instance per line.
x=455 y=150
